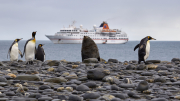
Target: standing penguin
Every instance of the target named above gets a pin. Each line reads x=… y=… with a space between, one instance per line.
x=40 y=55
x=14 y=50
x=144 y=48
x=30 y=49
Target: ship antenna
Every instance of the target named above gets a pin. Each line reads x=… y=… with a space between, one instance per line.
x=73 y=23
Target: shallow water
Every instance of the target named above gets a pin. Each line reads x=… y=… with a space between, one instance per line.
x=160 y=50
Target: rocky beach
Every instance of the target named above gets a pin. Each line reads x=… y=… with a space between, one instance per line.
x=90 y=80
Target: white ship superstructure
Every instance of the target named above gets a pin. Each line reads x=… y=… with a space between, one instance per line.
x=100 y=35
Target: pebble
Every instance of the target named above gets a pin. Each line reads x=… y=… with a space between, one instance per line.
x=82 y=88
x=91 y=95
x=97 y=73
x=55 y=80
x=142 y=86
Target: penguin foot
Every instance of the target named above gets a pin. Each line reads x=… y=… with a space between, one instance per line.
x=31 y=62
x=27 y=63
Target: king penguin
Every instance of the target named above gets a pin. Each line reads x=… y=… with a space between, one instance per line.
x=30 y=49
x=144 y=48
x=14 y=50
x=40 y=55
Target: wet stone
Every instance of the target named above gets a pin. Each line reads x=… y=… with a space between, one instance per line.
x=141 y=67
x=160 y=79
x=114 y=87
x=97 y=74
x=35 y=95
x=107 y=97
x=45 y=99
x=133 y=95
x=44 y=87
x=10 y=93
x=82 y=88
x=159 y=99
x=126 y=85
x=142 y=86
x=28 y=77
x=175 y=59
x=91 y=84
x=74 y=98
x=62 y=97
x=56 y=80
x=118 y=95
x=2 y=79
x=147 y=74
x=130 y=67
x=91 y=95
x=3 y=84
x=4 y=99
x=113 y=60
x=161 y=68
x=90 y=60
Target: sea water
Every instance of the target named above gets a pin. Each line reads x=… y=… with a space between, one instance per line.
x=159 y=50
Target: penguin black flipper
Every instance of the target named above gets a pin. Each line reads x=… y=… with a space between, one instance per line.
x=20 y=53
x=137 y=46
x=26 y=44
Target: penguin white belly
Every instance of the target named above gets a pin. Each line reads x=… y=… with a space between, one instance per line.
x=14 y=52
x=30 y=51
x=147 y=50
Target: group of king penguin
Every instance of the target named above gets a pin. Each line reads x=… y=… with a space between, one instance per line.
x=30 y=50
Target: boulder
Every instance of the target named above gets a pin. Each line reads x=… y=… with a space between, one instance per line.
x=97 y=73
x=28 y=77
x=56 y=80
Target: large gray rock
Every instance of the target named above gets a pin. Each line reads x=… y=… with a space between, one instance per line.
x=142 y=86
x=111 y=79
x=175 y=59
x=91 y=95
x=113 y=60
x=130 y=67
x=75 y=98
x=82 y=88
x=51 y=63
x=56 y=80
x=90 y=60
x=2 y=79
x=91 y=84
x=97 y=73
x=160 y=79
x=28 y=77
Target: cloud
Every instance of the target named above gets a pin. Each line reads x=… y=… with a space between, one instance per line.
x=138 y=18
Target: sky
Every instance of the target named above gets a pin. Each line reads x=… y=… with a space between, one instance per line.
x=159 y=19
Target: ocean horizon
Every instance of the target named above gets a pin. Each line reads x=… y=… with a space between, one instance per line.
x=160 y=50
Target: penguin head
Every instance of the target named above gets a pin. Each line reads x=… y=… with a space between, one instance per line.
x=16 y=40
x=33 y=34
x=41 y=45
x=150 y=38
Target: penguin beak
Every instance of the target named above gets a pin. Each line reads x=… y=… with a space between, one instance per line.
x=21 y=39
x=42 y=44
x=153 y=39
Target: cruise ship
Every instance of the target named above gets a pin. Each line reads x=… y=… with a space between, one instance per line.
x=101 y=35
